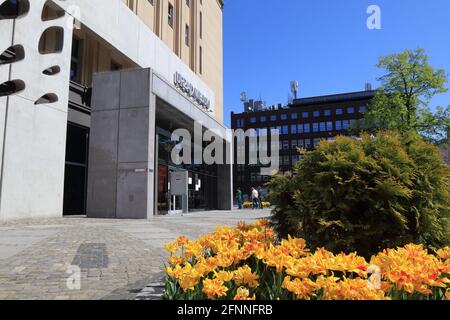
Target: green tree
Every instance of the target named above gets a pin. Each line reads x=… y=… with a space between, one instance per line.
x=366 y=195
x=402 y=102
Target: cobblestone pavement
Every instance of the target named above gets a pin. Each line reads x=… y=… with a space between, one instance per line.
x=116 y=258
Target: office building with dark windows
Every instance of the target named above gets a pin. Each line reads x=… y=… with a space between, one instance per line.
x=300 y=124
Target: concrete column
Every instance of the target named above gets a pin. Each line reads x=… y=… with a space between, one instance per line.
x=225 y=181
x=121 y=171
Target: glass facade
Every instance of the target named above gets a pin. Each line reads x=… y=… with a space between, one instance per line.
x=202 y=181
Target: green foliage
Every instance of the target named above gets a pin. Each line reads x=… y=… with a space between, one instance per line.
x=406 y=90
x=366 y=195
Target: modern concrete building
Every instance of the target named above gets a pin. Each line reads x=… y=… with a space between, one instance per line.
x=81 y=78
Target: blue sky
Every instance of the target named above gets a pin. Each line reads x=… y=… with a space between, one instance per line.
x=324 y=44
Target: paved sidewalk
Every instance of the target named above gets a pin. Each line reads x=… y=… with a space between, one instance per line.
x=117 y=258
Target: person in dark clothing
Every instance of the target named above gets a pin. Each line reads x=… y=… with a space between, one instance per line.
x=239 y=198
x=260 y=198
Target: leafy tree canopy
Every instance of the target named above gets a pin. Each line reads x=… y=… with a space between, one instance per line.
x=402 y=102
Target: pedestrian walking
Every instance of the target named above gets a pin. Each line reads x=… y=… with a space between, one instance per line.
x=239 y=198
x=255 y=198
x=260 y=198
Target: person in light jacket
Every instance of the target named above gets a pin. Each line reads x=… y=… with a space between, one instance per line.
x=255 y=198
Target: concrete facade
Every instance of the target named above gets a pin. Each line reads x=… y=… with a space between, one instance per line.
x=33 y=130
x=123 y=158
x=33 y=136
x=204 y=51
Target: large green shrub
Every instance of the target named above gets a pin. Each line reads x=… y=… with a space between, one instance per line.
x=365 y=195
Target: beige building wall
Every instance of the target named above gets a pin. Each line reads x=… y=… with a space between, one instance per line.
x=95 y=55
x=203 y=53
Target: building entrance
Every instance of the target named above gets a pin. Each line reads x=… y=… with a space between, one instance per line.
x=75 y=177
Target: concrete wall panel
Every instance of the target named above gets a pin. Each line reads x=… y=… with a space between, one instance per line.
x=135 y=89
x=110 y=82
x=132 y=192
x=33 y=169
x=133 y=135
x=102 y=177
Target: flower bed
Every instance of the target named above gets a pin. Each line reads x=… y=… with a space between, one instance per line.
x=249 y=204
x=245 y=263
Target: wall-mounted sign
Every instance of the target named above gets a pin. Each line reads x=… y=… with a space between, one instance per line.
x=188 y=88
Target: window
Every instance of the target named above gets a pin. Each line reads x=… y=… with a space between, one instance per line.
x=330 y=126
x=300 y=128
x=315 y=127
x=273 y=118
x=327 y=113
x=285 y=145
x=253 y=120
x=316 y=142
x=301 y=143
x=294 y=144
x=338 y=125
x=274 y=131
x=201 y=25
x=283 y=117
x=52 y=40
x=240 y=123
x=285 y=130
x=262 y=119
x=188 y=3
x=115 y=66
x=305 y=115
x=362 y=123
x=201 y=60
x=186 y=37
x=13 y=9
x=307 y=143
x=293 y=129
x=362 y=109
x=339 y=111
x=323 y=127
x=350 y=110
x=75 y=60
x=345 y=124
x=316 y=114
x=307 y=128
x=170 y=15
x=294 y=116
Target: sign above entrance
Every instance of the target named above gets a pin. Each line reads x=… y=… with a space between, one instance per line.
x=188 y=89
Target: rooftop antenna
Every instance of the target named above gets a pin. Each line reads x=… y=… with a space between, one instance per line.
x=243 y=97
x=294 y=88
x=290 y=99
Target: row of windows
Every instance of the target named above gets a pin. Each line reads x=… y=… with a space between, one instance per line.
x=286 y=145
x=303 y=128
x=304 y=115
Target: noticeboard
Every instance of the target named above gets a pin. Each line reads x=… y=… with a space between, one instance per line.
x=179 y=183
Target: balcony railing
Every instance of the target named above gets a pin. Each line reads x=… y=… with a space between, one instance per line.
x=80 y=97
